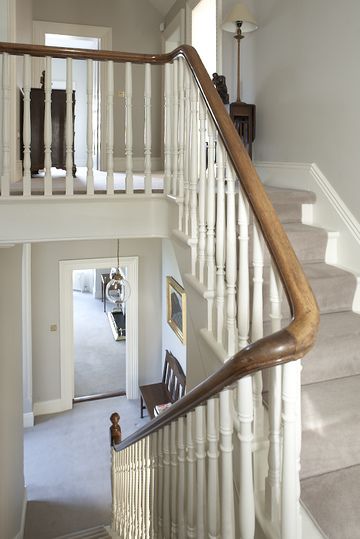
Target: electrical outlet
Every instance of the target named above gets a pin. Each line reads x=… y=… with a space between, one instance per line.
x=53 y=327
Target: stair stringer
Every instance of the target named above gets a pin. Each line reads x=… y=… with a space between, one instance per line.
x=204 y=357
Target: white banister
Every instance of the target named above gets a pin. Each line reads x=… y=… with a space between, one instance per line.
x=200 y=472
x=137 y=491
x=47 y=129
x=147 y=131
x=174 y=479
x=89 y=126
x=27 y=127
x=5 y=174
x=167 y=129
x=154 y=490
x=132 y=489
x=110 y=129
x=181 y=479
x=191 y=478
x=187 y=146
x=243 y=296
x=181 y=140
x=210 y=221
x=231 y=262
x=128 y=129
x=220 y=244
x=166 y=490
x=257 y=324
x=174 y=127
x=160 y=481
x=290 y=473
x=227 y=479
x=213 y=502
x=272 y=482
x=69 y=129
x=245 y=435
x=194 y=145
x=202 y=191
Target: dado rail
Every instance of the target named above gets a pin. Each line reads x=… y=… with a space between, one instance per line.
x=217 y=462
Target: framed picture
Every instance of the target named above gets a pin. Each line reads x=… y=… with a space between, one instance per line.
x=176 y=308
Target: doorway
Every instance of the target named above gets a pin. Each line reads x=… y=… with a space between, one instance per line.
x=99 y=355
x=67 y=336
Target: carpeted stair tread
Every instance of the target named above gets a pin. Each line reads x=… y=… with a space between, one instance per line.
x=93 y=533
x=336 y=353
x=308 y=242
x=333 y=287
x=280 y=195
x=330 y=426
x=333 y=501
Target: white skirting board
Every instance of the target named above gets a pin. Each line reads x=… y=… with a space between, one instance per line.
x=20 y=535
x=50 y=407
x=329 y=212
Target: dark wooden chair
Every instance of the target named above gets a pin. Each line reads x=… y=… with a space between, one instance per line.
x=170 y=389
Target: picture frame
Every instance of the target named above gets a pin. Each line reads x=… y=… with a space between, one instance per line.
x=176 y=308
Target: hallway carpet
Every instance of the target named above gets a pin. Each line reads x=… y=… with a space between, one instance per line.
x=67 y=467
x=100 y=361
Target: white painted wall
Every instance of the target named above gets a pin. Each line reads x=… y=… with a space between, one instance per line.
x=11 y=402
x=304 y=80
x=135 y=28
x=45 y=295
x=169 y=340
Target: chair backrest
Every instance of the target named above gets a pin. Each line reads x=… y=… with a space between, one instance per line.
x=174 y=377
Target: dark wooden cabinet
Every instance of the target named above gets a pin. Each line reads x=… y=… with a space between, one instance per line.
x=58 y=118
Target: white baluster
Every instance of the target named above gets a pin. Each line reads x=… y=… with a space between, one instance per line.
x=160 y=482
x=27 y=127
x=137 y=493
x=227 y=479
x=154 y=489
x=167 y=130
x=290 y=473
x=174 y=479
x=128 y=129
x=191 y=478
x=89 y=135
x=243 y=304
x=210 y=221
x=69 y=128
x=298 y=445
x=5 y=177
x=47 y=129
x=213 y=501
x=231 y=262
x=200 y=473
x=246 y=490
x=193 y=174
x=220 y=244
x=147 y=130
x=202 y=191
x=187 y=146
x=181 y=478
x=132 y=487
x=181 y=137
x=126 y=512
x=147 y=486
x=272 y=482
x=257 y=328
x=174 y=127
x=166 y=492
x=110 y=129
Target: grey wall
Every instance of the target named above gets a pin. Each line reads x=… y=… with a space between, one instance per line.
x=11 y=405
x=135 y=28
x=24 y=21
x=305 y=79
x=45 y=306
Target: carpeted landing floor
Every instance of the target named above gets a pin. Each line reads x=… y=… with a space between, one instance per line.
x=100 y=361
x=67 y=467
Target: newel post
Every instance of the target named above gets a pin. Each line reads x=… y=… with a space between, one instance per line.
x=115 y=429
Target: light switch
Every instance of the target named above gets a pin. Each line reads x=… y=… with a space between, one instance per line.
x=53 y=327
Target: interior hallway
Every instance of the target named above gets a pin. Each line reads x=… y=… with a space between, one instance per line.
x=67 y=467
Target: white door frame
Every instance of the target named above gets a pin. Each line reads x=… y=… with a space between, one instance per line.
x=66 y=268
x=104 y=34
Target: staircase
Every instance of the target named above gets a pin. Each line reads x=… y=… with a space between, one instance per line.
x=93 y=533
x=330 y=456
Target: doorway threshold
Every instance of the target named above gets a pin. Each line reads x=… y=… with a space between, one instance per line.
x=99 y=396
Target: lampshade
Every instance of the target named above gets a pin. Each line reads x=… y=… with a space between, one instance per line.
x=118 y=288
x=240 y=13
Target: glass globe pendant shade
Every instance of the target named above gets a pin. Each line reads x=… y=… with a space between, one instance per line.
x=117 y=289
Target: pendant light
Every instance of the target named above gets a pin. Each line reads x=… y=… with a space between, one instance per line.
x=118 y=288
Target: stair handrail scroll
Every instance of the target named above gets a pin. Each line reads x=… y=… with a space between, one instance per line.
x=197 y=470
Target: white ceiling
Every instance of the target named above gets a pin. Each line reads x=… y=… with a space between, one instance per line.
x=163 y=6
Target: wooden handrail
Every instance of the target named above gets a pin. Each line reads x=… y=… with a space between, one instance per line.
x=286 y=345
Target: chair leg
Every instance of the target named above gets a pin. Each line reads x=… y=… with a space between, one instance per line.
x=141 y=407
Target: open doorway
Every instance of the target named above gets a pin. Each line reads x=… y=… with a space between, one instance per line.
x=99 y=351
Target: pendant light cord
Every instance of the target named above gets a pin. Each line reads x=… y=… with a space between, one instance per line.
x=118 y=254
